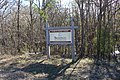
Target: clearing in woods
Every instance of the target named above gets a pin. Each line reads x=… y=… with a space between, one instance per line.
x=35 y=67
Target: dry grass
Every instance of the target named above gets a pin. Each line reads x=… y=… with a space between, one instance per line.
x=39 y=67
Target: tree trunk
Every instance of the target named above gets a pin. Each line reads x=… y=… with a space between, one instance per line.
x=82 y=32
x=18 y=27
x=99 y=31
x=31 y=25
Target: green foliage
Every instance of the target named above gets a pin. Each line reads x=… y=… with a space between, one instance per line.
x=95 y=42
x=44 y=12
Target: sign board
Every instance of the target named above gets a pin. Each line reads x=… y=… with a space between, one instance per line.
x=60 y=36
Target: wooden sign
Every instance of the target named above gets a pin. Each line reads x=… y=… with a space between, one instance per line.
x=60 y=36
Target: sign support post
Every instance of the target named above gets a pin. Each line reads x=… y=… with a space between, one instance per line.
x=72 y=45
x=47 y=42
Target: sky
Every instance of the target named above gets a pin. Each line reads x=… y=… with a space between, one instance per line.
x=65 y=3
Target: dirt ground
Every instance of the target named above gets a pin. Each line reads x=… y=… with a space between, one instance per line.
x=37 y=67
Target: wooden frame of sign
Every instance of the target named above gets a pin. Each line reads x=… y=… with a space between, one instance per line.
x=60 y=36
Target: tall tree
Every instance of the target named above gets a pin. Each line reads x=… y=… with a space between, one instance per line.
x=18 y=26
x=31 y=24
x=80 y=4
x=99 y=29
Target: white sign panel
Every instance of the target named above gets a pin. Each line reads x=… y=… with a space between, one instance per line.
x=60 y=35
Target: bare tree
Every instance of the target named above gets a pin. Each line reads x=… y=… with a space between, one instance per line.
x=18 y=27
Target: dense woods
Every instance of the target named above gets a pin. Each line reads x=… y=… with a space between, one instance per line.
x=22 y=27
x=23 y=50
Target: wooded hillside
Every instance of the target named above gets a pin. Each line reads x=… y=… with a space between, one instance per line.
x=23 y=51
x=23 y=26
